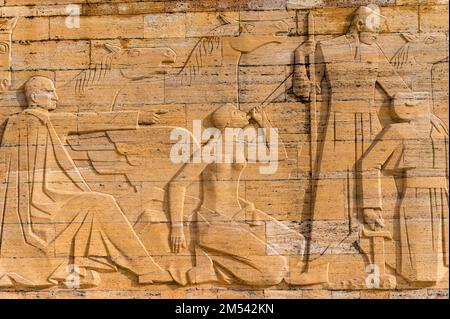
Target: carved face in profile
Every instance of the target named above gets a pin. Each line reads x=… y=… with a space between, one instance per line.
x=141 y=63
x=229 y=116
x=41 y=92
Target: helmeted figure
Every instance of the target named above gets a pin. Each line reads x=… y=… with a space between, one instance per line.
x=353 y=65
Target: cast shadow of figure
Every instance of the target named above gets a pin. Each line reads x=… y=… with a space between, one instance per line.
x=346 y=128
x=194 y=222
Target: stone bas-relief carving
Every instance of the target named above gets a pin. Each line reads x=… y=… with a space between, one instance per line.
x=229 y=241
x=200 y=65
x=423 y=62
x=50 y=216
x=112 y=83
x=91 y=198
x=353 y=66
x=415 y=150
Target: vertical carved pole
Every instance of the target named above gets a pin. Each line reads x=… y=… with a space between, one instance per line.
x=313 y=106
x=6 y=28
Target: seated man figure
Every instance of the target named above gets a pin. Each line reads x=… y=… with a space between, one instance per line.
x=51 y=223
x=227 y=247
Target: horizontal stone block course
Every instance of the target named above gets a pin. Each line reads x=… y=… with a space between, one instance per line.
x=434 y=18
x=32 y=29
x=337 y=20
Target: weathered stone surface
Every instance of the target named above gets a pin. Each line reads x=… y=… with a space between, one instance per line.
x=306 y=4
x=141 y=185
x=434 y=18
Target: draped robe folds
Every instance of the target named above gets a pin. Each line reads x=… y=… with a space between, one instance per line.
x=48 y=213
x=419 y=160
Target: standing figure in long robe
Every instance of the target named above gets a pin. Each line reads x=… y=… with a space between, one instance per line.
x=353 y=66
x=52 y=225
x=414 y=149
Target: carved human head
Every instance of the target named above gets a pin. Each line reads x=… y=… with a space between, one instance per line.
x=406 y=107
x=229 y=116
x=367 y=23
x=41 y=93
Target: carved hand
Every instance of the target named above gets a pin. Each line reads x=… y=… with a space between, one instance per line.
x=148 y=118
x=3 y=84
x=177 y=240
x=259 y=116
x=373 y=218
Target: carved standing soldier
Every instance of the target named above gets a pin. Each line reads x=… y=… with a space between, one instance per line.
x=353 y=65
x=49 y=216
x=414 y=149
